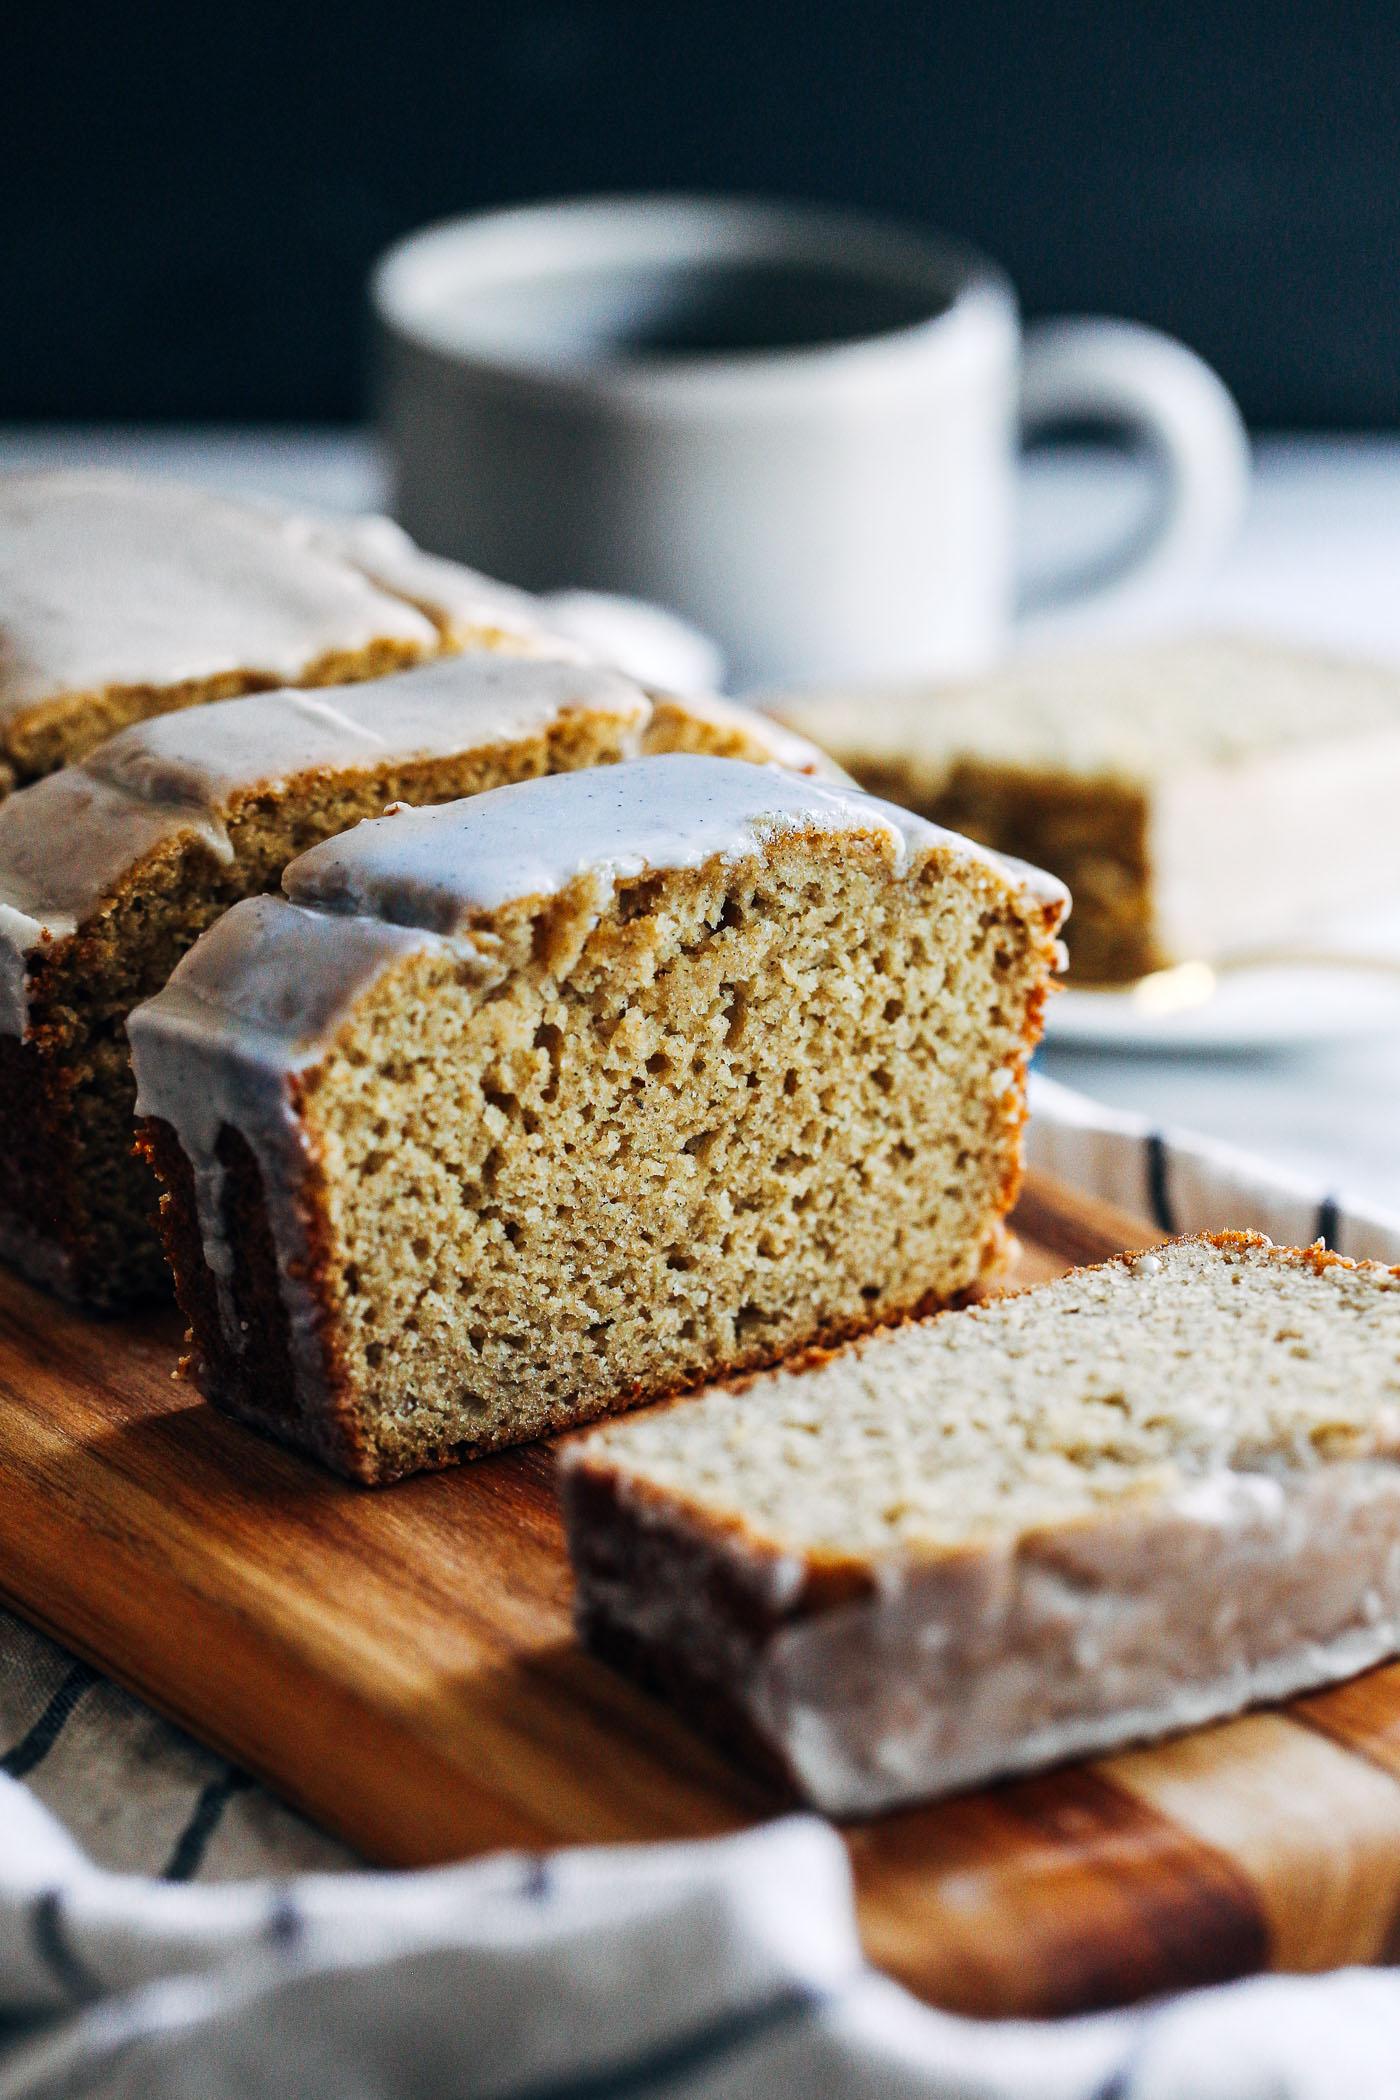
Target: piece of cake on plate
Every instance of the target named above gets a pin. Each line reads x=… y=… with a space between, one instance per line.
x=1201 y=798
x=1123 y=1503
x=112 y=867
x=527 y=1108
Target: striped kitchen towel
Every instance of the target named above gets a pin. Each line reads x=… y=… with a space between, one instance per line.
x=1186 y=1183
x=725 y=1970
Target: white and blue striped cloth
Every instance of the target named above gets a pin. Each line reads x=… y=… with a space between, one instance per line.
x=1186 y=1183
x=168 y=1929
x=728 y=1970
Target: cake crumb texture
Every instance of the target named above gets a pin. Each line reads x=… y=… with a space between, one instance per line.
x=643 y=1132
x=762 y=1102
x=1045 y=1406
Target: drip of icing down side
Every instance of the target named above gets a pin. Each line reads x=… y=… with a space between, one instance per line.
x=252 y=1005
x=1237 y=1590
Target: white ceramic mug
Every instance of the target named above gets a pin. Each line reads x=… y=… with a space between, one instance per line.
x=798 y=428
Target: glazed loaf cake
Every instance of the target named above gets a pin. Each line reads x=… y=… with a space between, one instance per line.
x=121 y=599
x=543 y=1104
x=1201 y=798
x=1119 y=1504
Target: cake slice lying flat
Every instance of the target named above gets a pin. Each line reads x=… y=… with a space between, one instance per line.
x=1201 y=798
x=1120 y=1504
x=111 y=868
x=531 y=1107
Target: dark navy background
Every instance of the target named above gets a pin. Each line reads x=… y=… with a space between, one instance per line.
x=190 y=196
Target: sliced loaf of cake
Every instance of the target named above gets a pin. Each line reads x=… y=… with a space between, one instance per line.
x=110 y=868
x=534 y=1106
x=1201 y=798
x=121 y=599
x=1116 y=1505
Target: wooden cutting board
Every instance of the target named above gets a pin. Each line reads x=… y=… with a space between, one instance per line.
x=399 y=1664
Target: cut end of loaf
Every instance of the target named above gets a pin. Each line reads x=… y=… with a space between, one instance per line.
x=633 y=1141
x=749 y=1108
x=76 y=1206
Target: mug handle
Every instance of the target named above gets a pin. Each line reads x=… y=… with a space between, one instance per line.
x=1134 y=378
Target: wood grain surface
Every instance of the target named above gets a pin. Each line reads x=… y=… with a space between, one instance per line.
x=399 y=1664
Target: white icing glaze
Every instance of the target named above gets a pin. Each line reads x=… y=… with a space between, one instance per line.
x=455 y=704
x=109 y=582
x=259 y=996
x=1236 y=1588
x=469 y=608
x=178 y=774
x=438 y=867
x=248 y=1008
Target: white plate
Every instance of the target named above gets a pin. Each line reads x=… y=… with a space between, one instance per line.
x=1268 y=1007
